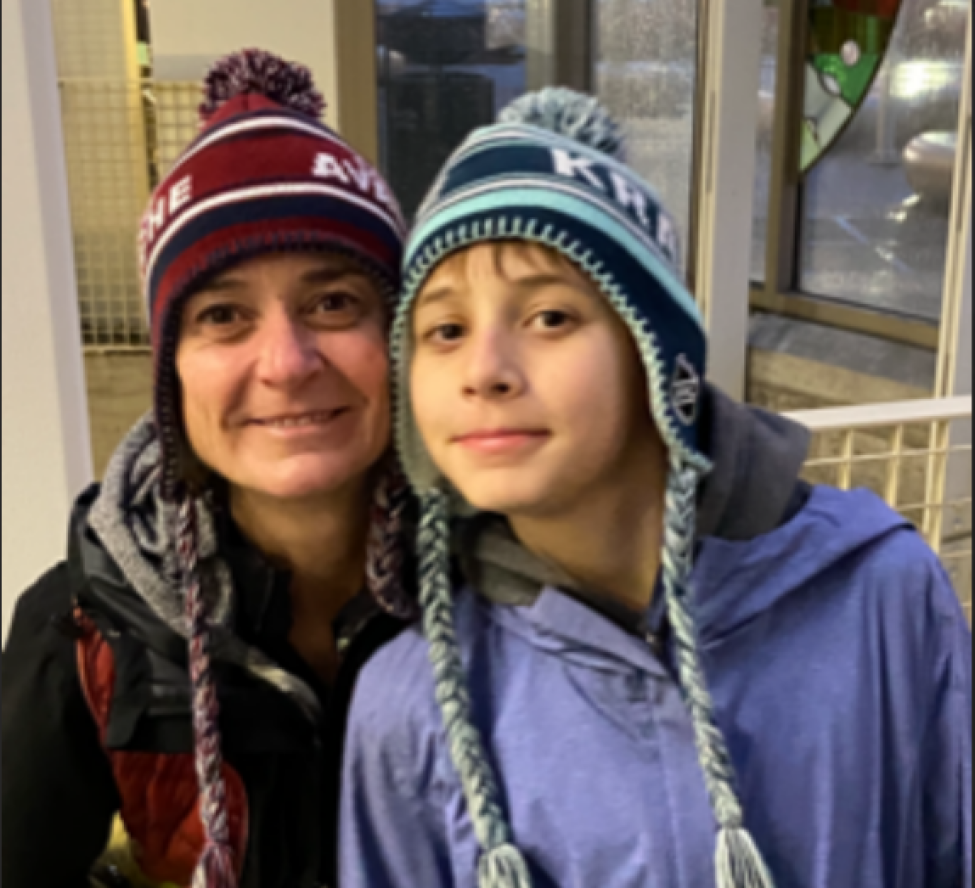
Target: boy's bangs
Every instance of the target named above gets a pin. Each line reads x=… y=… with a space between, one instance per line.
x=505 y=252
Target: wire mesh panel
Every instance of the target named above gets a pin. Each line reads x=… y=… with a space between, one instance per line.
x=175 y=109
x=918 y=457
x=120 y=138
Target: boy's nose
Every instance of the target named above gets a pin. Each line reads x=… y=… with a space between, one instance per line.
x=492 y=371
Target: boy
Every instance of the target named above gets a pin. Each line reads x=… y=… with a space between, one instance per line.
x=611 y=691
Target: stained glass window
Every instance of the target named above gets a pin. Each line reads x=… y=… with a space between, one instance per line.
x=848 y=42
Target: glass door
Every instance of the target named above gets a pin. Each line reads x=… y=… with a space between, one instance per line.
x=446 y=67
x=647 y=72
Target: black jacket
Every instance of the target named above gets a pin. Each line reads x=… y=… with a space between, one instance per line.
x=59 y=794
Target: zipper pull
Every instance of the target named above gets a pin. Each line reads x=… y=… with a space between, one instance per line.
x=656 y=644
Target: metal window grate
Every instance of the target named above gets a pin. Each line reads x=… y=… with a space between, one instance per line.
x=121 y=137
x=917 y=456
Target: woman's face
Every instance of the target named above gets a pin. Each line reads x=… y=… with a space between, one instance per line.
x=285 y=376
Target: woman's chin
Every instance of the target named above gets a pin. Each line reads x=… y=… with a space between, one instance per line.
x=303 y=479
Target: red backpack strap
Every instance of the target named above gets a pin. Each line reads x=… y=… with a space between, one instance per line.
x=160 y=794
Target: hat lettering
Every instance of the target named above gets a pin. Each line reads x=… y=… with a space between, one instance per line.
x=181 y=195
x=156 y=218
x=357 y=173
x=668 y=238
x=625 y=193
x=631 y=198
x=327 y=167
x=162 y=210
x=361 y=175
x=577 y=168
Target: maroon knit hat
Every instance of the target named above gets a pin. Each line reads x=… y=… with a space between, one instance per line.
x=264 y=176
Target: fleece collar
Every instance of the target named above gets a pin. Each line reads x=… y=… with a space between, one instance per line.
x=136 y=526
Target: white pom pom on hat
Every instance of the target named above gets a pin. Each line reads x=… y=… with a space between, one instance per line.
x=571 y=114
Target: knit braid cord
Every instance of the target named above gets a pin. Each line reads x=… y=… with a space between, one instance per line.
x=386 y=555
x=216 y=868
x=739 y=862
x=502 y=865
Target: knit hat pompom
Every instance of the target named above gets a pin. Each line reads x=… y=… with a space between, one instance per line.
x=257 y=72
x=570 y=114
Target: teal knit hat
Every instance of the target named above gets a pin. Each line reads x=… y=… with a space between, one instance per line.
x=552 y=173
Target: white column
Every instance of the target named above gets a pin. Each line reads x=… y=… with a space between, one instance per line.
x=729 y=118
x=955 y=364
x=46 y=445
x=955 y=357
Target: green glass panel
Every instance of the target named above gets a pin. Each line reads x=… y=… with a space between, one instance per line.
x=848 y=41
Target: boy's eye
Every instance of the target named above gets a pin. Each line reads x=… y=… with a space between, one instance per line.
x=553 y=320
x=446 y=334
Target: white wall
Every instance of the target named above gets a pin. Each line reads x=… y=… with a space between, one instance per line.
x=46 y=446
x=188 y=35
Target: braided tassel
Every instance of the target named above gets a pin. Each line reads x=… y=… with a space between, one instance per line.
x=739 y=863
x=216 y=868
x=386 y=553
x=504 y=867
x=502 y=864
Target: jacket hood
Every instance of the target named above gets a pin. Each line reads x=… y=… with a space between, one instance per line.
x=750 y=495
x=758 y=458
x=736 y=582
x=134 y=525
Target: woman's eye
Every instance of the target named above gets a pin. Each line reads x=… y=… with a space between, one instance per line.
x=337 y=303
x=220 y=316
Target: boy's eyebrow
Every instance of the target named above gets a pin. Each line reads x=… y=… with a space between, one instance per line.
x=434 y=296
x=529 y=282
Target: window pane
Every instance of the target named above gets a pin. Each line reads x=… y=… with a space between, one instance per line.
x=766 y=136
x=876 y=217
x=647 y=75
x=446 y=67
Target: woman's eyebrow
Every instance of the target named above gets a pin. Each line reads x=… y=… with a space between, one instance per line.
x=329 y=275
x=221 y=285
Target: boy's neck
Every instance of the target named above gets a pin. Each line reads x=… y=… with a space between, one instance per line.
x=612 y=543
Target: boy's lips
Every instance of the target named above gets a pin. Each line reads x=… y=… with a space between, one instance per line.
x=502 y=441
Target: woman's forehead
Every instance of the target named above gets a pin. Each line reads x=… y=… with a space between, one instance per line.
x=294 y=271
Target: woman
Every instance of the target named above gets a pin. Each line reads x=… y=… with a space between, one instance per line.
x=190 y=664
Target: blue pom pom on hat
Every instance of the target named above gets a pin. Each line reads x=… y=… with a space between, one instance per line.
x=551 y=172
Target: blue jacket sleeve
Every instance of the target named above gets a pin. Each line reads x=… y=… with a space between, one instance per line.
x=393 y=813
x=948 y=756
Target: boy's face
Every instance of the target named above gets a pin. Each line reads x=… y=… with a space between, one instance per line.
x=527 y=387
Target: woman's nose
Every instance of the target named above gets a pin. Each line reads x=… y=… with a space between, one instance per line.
x=290 y=353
